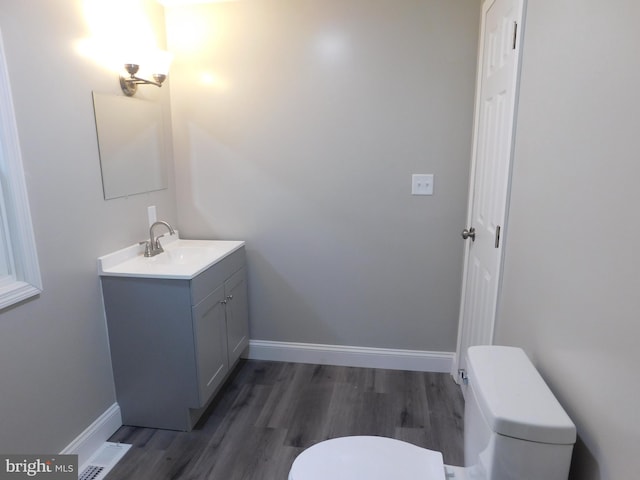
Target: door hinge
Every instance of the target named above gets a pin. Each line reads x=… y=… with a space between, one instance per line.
x=497 y=244
x=462 y=375
x=515 y=34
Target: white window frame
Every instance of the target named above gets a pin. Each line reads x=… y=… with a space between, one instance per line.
x=25 y=280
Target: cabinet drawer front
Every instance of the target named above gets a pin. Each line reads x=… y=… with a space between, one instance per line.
x=215 y=275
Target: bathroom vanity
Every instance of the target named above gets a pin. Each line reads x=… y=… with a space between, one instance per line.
x=178 y=323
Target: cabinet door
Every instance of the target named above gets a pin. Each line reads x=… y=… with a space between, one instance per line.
x=237 y=314
x=210 y=336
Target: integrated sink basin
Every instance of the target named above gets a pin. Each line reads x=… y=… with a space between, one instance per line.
x=181 y=259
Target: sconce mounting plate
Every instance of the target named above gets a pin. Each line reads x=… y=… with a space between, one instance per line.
x=129 y=87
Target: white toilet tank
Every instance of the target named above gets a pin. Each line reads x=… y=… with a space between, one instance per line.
x=514 y=426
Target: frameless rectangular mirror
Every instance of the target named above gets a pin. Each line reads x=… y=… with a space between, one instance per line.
x=133 y=156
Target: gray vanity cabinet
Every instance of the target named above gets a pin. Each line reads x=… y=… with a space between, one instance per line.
x=173 y=341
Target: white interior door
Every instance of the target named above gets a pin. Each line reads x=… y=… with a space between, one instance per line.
x=496 y=93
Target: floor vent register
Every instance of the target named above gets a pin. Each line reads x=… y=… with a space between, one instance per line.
x=103 y=461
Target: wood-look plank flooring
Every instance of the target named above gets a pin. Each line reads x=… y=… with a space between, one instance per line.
x=268 y=412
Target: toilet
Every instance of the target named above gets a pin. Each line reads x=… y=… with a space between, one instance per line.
x=514 y=429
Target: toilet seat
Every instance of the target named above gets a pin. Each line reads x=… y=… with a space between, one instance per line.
x=366 y=457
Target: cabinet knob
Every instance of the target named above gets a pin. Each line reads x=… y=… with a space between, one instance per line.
x=224 y=302
x=229 y=297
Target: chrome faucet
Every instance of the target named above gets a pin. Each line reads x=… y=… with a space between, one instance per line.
x=153 y=247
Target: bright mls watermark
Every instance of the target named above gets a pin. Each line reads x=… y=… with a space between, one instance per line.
x=49 y=467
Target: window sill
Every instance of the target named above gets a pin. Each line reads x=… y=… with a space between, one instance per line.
x=16 y=292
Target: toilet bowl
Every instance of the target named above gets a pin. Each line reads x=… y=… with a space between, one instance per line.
x=367 y=457
x=514 y=429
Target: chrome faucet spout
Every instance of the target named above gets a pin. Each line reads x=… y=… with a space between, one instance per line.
x=154 y=247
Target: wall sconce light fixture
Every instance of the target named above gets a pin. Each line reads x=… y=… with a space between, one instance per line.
x=130 y=84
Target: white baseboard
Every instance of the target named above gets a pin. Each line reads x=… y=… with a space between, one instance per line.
x=415 y=360
x=94 y=436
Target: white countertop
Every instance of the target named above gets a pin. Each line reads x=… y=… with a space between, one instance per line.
x=182 y=259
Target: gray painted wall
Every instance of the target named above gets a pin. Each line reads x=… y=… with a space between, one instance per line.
x=571 y=289
x=297 y=126
x=55 y=370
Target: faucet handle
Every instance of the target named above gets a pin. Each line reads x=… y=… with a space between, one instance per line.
x=147 y=247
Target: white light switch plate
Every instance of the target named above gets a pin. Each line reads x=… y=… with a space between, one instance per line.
x=422 y=184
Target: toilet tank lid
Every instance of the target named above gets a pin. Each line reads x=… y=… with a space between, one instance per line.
x=514 y=398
